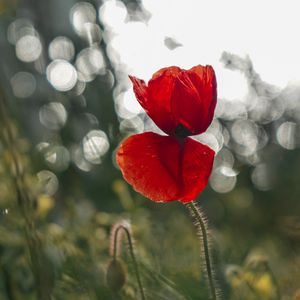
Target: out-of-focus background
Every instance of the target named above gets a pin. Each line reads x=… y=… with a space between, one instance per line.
x=66 y=104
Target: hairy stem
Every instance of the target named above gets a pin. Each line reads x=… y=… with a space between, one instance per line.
x=201 y=226
x=116 y=241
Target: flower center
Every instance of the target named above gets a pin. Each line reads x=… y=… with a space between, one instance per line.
x=181 y=131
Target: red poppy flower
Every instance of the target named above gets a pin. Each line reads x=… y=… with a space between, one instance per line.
x=180 y=102
x=175 y=167
x=164 y=168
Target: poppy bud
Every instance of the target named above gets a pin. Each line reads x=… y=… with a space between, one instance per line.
x=115 y=276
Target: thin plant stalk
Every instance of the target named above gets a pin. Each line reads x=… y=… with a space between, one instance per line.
x=116 y=249
x=24 y=201
x=202 y=229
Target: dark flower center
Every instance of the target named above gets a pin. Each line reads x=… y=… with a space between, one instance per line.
x=181 y=131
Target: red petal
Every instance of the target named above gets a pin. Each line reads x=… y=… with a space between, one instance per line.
x=147 y=162
x=197 y=165
x=204 y=80
x=186 y=104
x=162 y=169
x=160 y=89
x=168 y=71
x=140 y=90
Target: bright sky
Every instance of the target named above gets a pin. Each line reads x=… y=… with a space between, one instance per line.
x=267 y=31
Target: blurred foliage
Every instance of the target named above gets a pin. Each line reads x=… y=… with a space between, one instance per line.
x=60 y=192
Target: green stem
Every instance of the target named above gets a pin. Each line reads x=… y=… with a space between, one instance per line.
x=131 y=250
x=201 y=226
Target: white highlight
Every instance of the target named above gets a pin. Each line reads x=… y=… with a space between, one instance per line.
x=28 y=48
x=62 y=75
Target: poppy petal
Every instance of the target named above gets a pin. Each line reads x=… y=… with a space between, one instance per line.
x=168 y=71
x=140 y=91
x=146 y=163
x=156 y=102
x=160 y=89
x=204 y=80
x=197 y=165
x=186 y=104
x=164 y=169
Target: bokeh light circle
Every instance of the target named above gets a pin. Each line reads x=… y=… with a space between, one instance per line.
x=89 y=63
x=28 y=48
x=23 y=84
x=49 y=182
x=62 y=75
x=95 y=145
x=61 y=48
x=223 y=179
x=80 y=14
x=53 y=115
